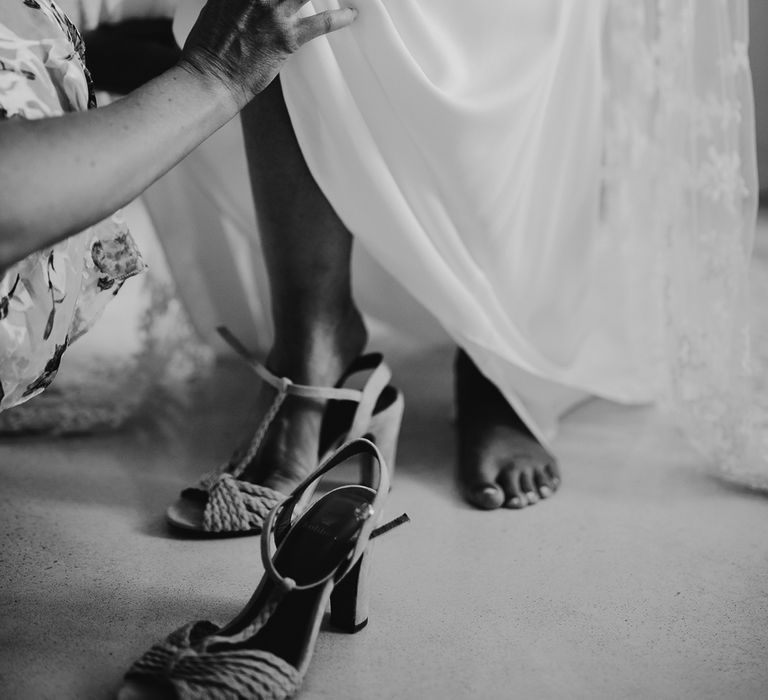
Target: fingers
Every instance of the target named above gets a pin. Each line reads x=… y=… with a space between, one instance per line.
x=324 y=23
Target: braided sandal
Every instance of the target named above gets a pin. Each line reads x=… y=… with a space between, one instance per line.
x=221 y=503
x=322 y=555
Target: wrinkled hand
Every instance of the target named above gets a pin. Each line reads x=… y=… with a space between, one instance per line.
x=243 y=43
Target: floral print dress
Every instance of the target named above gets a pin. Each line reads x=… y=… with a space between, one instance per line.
x=56 y=294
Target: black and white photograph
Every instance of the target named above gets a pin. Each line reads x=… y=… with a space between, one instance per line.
x=383 y=349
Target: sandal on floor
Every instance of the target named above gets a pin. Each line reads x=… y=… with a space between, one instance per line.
x=322 y=555
x=223 y=504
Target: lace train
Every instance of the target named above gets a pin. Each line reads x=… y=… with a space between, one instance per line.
x=680 y=170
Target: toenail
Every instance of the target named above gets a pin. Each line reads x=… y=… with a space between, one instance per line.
x=487 y=497
x=545 y=491
x=517 y=502
x=532 y=497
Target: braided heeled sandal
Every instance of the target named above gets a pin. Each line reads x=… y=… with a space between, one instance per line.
x=322 y=555
x=221 y=503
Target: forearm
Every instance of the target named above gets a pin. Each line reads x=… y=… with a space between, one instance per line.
x=60 y=175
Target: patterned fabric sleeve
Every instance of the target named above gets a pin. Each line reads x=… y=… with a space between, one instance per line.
x=89 y=14
x=53 y=296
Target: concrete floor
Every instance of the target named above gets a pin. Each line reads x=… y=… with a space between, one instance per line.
x=643 y=578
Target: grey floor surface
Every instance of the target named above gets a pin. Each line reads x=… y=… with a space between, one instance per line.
x=643 y=578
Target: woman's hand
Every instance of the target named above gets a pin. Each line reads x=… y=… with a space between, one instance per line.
x=86 y=165
x=243 y=43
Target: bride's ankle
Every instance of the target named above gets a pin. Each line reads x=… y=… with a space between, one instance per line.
x=320 y=353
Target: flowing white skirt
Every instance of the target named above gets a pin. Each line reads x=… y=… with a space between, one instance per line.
x=567 y=188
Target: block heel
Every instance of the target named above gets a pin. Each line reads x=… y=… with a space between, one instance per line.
x=351 y=597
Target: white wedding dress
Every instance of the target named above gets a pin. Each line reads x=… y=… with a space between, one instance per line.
x=568 y=188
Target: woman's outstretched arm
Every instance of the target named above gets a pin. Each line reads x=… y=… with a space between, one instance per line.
x=62 y=174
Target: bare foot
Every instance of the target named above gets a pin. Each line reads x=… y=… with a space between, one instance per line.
x=290 y=449
x=500 y=462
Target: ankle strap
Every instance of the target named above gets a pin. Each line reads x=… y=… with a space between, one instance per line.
x=283 y=384
x=368 y=518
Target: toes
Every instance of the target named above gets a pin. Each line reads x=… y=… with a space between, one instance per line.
x=484 y=496
x=516 y=477
x=552 y=471
x=528 y=484
x=543 y=481
x=477 y=474
x=528 y=481
x=510 y=482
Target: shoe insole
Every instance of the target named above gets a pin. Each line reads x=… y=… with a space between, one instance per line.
x=339 y=414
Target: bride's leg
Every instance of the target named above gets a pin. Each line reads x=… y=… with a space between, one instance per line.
x=318 y=330
x=307 y=250
x=500 y=462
